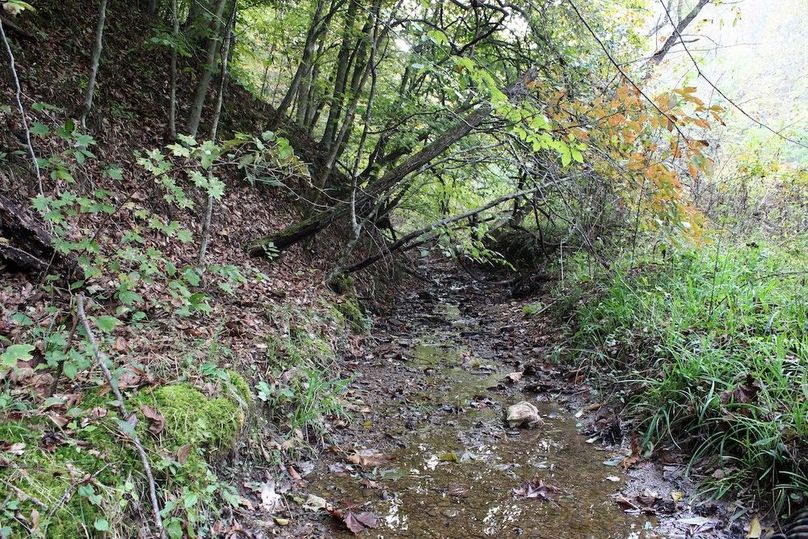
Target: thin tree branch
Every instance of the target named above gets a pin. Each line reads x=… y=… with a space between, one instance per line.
x=18 y=98
x=144 y=458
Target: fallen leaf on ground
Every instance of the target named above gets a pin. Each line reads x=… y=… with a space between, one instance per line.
x=156 y=421
x=269 y=498
x=755 y=530
x=315 y=503
x=513 y=377
x=182 y=453
x=694 y=521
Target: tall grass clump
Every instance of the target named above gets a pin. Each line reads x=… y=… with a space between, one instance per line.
x=712 y=344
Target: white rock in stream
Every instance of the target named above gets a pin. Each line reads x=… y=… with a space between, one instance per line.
x=523 y=414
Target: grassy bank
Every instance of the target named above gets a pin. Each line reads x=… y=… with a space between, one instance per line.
x=711 y=346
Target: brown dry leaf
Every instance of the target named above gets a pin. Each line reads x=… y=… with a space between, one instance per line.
x=368 y=458
x=743 y=393
x=294 y=474
x=182 y=453
x=58 y=419
x=634 y=456
x=156 y=421
x=357 y=522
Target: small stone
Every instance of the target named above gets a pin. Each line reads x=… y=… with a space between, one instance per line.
x=450 y=512
x=523 y=414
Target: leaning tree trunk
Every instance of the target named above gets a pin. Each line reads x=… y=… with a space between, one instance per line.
x=311 y=226
x=366 y=200
x=95 y=61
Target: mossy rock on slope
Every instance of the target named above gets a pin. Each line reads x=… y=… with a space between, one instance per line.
x=46 y=474
x=193 y=418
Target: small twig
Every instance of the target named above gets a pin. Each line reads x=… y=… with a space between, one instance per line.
x=18 y=97
x=72 y=488
x=122 y=409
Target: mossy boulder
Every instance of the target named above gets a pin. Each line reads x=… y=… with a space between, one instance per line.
x=51 y=471
x=193 y=418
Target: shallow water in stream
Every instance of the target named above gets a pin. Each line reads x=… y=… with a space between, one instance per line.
x=454 y=473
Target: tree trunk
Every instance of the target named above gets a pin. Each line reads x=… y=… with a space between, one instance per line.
x=308 y=51
x=214 y=130
x=207 y=73
x=340 y=76
x=26 y=244
x=95 y=61
x=172 y=104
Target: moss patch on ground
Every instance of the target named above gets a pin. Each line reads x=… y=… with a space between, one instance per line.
x=85 y=473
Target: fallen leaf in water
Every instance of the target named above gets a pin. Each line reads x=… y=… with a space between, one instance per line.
x=537 y=489
x=523 y=414
x=368 y=458
x=357 y=522
x=156 y=421
x=624 y=502
x=458 y=491
x=755 y=530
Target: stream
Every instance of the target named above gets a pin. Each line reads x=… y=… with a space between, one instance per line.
x=442 y=462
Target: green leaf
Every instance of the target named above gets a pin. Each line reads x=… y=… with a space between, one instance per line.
x=114 y=173
x=179 y=151
x=192 y=276
x=185 y=139
x=101 y=525
x=190 y=500
x=15 y=353
x=106 y=323
x=39 y=129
